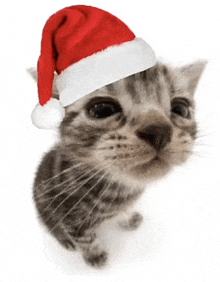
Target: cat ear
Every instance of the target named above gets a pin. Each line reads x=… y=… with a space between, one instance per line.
x=33 y=73
x=192 y=74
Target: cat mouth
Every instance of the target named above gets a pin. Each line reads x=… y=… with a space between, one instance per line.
x=156 y=158
x=155 y=161
x=153 y=169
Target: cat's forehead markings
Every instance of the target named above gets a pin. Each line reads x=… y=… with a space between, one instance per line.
x=131 y=89
x=111 y=90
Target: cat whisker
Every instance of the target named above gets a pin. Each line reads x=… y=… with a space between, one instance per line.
x=195 y=143
x=102 y=148
x=178 y=151
x=104 y=189
x=69 y=195
x=204 y=133
x=188 y=152
x=107 y=210
x=93 y=187
x=113 y=200
x=61 y=183
x=199 y=136
x=59 y=174
x=69 y=187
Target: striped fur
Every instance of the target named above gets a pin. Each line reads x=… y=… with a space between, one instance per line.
x=100 y=166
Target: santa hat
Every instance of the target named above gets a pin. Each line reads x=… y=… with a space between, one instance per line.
x=88 y=48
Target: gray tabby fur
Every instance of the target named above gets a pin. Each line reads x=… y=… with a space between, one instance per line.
x=99 y=167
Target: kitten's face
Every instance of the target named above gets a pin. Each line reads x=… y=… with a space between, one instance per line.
x=137 y=128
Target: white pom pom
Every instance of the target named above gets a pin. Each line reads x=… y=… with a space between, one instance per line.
x=48 y=116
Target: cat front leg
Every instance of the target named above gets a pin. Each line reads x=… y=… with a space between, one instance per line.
x=91 y=249
x=130 y=221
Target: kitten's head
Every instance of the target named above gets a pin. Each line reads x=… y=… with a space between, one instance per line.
x=137 y=128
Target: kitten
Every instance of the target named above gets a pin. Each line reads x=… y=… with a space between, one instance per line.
x=112 y=142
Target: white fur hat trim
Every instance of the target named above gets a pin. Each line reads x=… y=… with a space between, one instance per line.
x=48 y=116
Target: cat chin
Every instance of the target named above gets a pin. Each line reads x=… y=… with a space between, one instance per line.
x=156 y=168
x=150 y=171
x=138 y=176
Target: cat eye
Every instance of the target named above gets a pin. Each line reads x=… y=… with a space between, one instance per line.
x=180 y=107
x=101 y=108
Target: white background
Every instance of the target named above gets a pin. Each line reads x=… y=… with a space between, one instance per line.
x=179 y=239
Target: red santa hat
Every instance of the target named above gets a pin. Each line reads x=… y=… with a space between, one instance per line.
x=88 y=48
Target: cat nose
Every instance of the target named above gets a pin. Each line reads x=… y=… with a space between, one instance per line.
x=157 y=135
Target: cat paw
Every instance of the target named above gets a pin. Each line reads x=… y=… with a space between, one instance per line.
x=95 y=259
x=131 y=223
